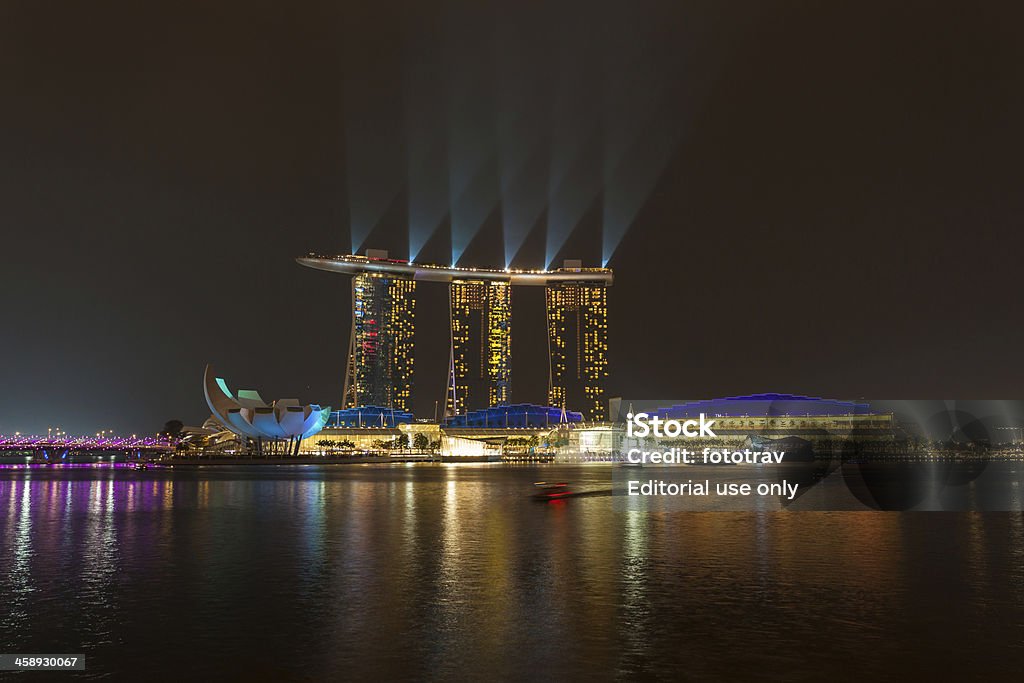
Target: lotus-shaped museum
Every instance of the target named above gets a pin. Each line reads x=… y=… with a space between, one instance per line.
x=248 y=415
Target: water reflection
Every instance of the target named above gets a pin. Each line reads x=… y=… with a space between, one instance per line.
x=20 y=574
x=453 y=571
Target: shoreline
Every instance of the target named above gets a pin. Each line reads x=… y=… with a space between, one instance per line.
x=192 y=463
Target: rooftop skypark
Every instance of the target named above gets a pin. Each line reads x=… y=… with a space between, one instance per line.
x=378 y=262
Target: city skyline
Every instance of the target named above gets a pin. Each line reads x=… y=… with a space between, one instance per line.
x=457 y=340
x=863 y=200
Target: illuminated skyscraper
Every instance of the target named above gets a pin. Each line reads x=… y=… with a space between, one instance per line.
x=481 y=353
x=380 y=366
x=577 y=315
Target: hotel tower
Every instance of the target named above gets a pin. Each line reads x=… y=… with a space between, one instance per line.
x=481 y=354
x=380 y=364
x=380 y=357
x=577 y=319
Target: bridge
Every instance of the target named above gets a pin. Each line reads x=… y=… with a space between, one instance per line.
x=61 y=448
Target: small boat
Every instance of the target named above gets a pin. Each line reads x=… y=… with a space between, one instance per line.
x=548 y=491
x=142 y=466
x=551 y=490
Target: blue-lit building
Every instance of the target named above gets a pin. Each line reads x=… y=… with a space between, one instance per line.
x=764 y=405
x=513 y=416
x=369 y=416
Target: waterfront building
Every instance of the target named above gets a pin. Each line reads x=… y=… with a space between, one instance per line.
x=368 y=416
x=454 y=447
x=577 y=321
x=774 y=415
x=399 y=440
x=763 y=405
x=587 y=443
x=521 y=415
x=431 y=439
x=481 y=345
x=380 y=365
x=284 y=421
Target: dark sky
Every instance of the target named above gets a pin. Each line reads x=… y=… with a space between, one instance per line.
x=821 y=198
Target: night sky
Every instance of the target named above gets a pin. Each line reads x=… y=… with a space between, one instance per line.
x=806 y=197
